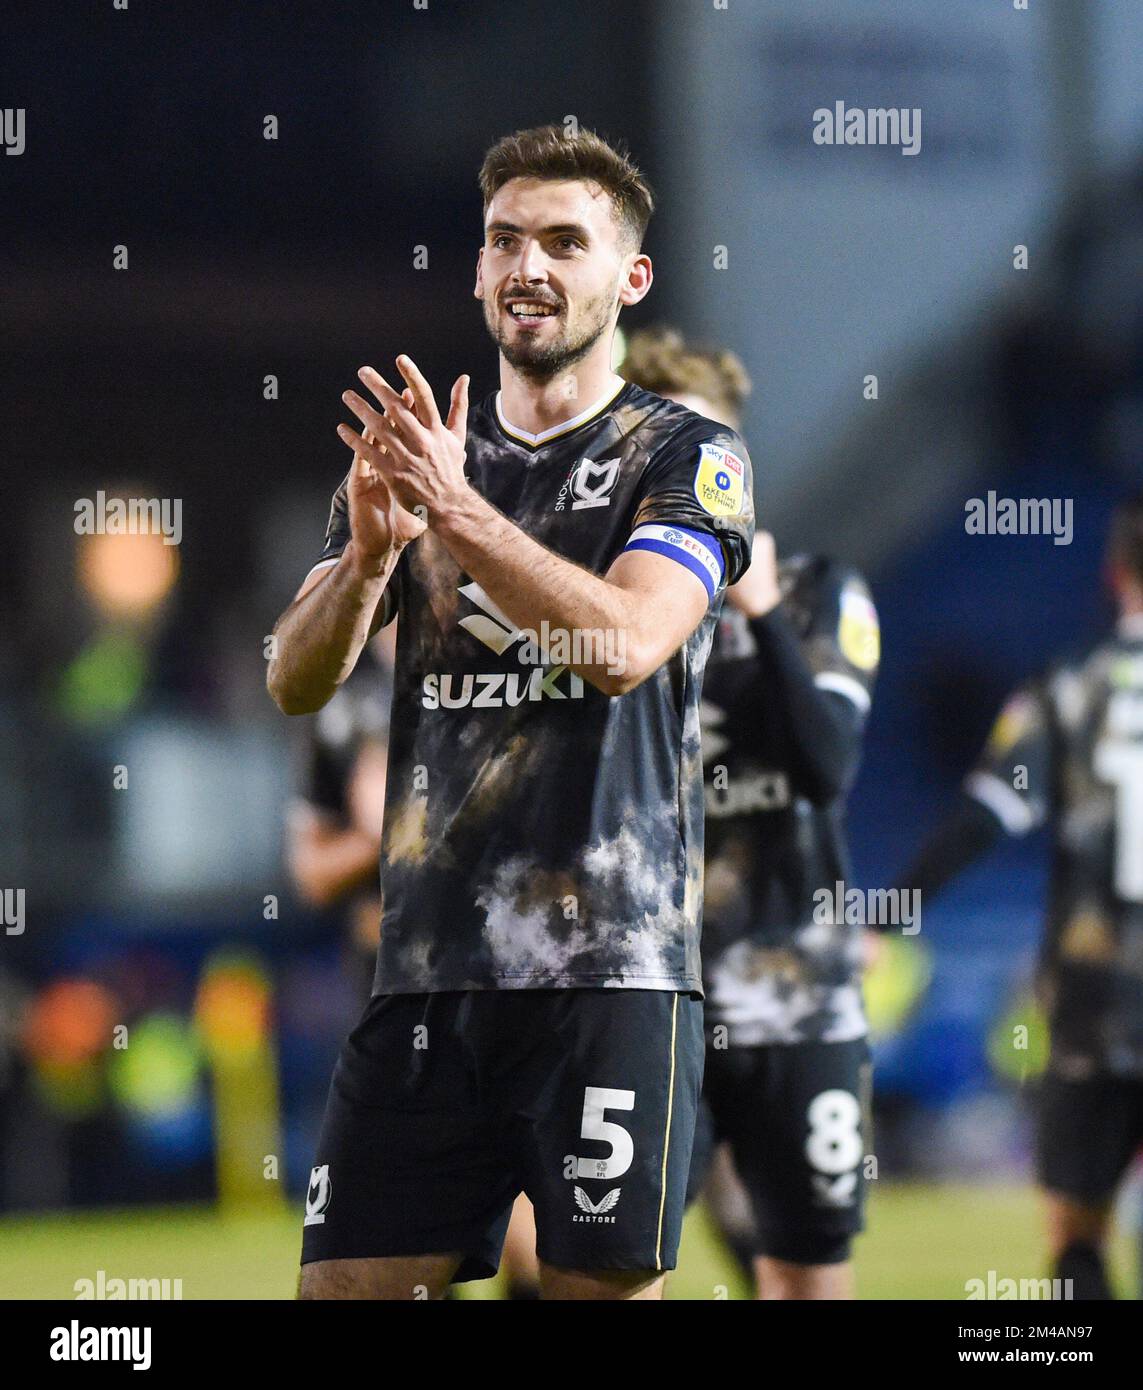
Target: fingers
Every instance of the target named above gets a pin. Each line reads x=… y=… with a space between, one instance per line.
x=377 y=426
x=365 y=477
x=379 y=458
x=422 y=392
x=458 y=408
x=399 y=416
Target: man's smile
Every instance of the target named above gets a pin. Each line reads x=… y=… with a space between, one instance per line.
x=531 y=312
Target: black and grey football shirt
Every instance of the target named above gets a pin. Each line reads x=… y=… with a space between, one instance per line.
x=777 y=769
x=538 y=833
x=1067 y=750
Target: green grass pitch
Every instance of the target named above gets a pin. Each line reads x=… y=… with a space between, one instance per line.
x=923 y=1242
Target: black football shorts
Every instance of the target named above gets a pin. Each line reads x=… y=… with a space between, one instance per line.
x=443 y=1107
x=796 y=1118
x=1088 y=1131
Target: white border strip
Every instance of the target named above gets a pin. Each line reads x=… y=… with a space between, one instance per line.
x=845 y=685
x=322 y=565
x=566 y=427
x=1007 y=805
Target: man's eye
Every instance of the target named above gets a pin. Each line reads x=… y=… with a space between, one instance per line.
x=501 y=242
x=567 y=243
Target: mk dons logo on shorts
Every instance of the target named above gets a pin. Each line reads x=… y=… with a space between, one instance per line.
x=834 y=1192
x=596 y=1211
x=590 y=484
x=720 y=480
x=317 y=1198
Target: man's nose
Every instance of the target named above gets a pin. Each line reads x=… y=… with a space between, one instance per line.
x=531 y=267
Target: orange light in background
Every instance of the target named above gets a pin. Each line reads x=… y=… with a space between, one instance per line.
x=127 y=576
x=70 y=1022
x=232 y=1010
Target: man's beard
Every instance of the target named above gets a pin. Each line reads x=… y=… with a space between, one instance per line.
x=541 y=363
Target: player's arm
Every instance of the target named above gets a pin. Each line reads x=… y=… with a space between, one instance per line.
x=1005 y=794
x=319 y=638
x=816 y=716
x=327 y=860
x=646 y=605
x=333 y=831
x=966 y=834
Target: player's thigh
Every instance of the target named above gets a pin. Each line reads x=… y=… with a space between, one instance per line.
x=410 y=1164
x=789 y=1282
x=418 y=1277
x=1073 y=1222
x=705 y=1149
x=1087 y=1132
x=797 y=1119
x=607 y=1142
x=600 y=1286
x=726 y=1197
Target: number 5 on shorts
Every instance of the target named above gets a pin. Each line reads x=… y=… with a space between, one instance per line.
x=597 y=1099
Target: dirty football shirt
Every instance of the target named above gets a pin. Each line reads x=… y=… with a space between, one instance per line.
x=775 y=974
x=539 y=834
x=1067 y=751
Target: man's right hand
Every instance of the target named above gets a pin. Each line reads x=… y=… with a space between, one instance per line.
x=378 y=523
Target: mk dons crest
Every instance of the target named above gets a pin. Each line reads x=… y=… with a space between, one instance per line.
x=591 y=483
x=317 y=1198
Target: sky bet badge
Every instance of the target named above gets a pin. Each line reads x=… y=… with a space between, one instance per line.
x=719 y=481
x=858 y=632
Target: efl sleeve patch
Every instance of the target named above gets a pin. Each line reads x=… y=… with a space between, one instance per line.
x=1015 y=720
x=719 y=480
x=699 y=553
x=858 y=631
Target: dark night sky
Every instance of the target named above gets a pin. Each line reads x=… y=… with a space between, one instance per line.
x=249 y=256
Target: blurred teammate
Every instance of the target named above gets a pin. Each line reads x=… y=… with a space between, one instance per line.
x=786 y=695
x=333 y=834
x=557 y=556
x=1067 y=750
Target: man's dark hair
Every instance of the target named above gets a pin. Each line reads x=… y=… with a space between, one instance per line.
x=548 y=152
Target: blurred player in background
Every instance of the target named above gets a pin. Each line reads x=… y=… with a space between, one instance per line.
x=784 y=705
x=333 y=833
x=536 y=1022
x=1067 y=751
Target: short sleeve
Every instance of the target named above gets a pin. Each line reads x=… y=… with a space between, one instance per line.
x=337 y=527
x=337 y=537
x=843 y=640
x=701 y=481
x=1012 y=776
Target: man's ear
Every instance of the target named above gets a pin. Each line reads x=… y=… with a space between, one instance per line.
x=637 y=281
x=478 y=289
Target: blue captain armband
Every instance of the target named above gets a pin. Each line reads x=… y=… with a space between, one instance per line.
x=694 y=550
